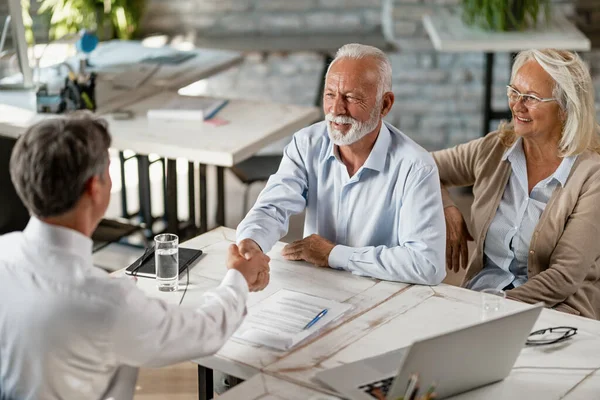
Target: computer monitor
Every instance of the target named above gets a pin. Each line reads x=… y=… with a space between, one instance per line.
x=18 y=30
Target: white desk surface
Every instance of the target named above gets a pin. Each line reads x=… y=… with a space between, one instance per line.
x=206 y=63
x=118 y=63
x=449 y=34
x=251 y=126
x=387 y=316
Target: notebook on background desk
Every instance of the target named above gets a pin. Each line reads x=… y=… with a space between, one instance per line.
x=148 y=267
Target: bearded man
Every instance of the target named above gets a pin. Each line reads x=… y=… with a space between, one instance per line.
x=371 y=194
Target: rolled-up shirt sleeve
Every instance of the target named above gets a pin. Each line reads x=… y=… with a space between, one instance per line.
x=419 y=256
x=150 y=332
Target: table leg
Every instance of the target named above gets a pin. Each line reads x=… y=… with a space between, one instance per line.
x=171 y=200
x=487 y=97
x=202 y=198
x=205 y=383
x=191 y=195
x=220 y=196
x=144 y=190
x=124 y=207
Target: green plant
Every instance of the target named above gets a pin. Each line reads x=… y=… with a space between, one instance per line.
x=505 y=15
x=27 y=21
x=109 y=18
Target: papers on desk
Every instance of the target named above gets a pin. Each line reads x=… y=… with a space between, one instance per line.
x=188 y=108
x=280 y=320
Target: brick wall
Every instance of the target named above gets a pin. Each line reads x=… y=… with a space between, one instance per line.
x=438 y=96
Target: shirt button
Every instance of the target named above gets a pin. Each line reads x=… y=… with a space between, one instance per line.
x=531 y=251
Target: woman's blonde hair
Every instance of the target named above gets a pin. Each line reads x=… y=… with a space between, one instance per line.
x=574 y=91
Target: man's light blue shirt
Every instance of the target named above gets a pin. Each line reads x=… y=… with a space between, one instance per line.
x=506 y=247
x=387 y=220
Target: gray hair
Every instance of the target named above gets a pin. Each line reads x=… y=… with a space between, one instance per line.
x=574 y=91
x=357 y=51
x=52 y=162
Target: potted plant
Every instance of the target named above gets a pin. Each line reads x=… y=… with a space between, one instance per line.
x=109 y=18
x=505 y=15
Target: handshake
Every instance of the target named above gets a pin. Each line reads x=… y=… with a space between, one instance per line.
x=251 y=262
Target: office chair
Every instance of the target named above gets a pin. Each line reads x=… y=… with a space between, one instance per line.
x=255 y=169
x=13 y=214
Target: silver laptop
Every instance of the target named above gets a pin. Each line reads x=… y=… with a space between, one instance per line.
x=455 y=362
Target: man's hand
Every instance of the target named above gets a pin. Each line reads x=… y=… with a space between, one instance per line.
x=249 y=248
x=457 y=235
x=255 y=271
x=314 y=249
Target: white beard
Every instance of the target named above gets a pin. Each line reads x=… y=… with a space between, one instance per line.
x=356 y=132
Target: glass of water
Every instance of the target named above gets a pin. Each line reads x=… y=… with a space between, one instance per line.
x=491 y=303
x=166 y=258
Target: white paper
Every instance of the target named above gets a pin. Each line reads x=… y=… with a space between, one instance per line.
x=279 y=320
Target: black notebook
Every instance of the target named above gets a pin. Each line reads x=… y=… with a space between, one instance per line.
x=148 y=268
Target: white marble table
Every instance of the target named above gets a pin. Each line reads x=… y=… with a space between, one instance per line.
x=386 y=316
x=266 y=387
x=448 y=33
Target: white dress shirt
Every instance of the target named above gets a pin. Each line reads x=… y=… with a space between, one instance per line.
x=506 y=246
x=66 y=326
x=387 y=220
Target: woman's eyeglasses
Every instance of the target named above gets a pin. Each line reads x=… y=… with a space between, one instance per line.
x=529 y=100
x=550 y=335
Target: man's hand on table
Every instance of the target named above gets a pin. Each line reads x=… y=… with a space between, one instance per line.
x=314 y=249
x=255 y=269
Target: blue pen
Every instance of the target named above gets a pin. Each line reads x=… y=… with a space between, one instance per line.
x=315 y=319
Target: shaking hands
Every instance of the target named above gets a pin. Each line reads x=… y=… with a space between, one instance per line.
x=252 y=264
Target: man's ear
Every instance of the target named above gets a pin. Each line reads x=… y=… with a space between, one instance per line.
x=387 y=103
x=92 y=187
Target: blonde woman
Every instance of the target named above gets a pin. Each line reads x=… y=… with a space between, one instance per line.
x=536 y=185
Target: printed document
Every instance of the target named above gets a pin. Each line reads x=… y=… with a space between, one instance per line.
x=280 y=320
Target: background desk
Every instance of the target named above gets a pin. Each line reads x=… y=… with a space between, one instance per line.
x=387 y=316
x=252 y=126
x=448 y=33
x=113 y=59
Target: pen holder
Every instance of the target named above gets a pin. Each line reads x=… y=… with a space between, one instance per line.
x=73 y=96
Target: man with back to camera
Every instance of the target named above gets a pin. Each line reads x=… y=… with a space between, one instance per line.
x=67 y=328
x=372 y=195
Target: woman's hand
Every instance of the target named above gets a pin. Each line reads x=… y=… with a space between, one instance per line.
x=457 y=235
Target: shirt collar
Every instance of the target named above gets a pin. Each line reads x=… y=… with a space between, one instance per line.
x=562 y=172
x=378 y=155
x=564 y=169
x=65 y=239
x=516 y=148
